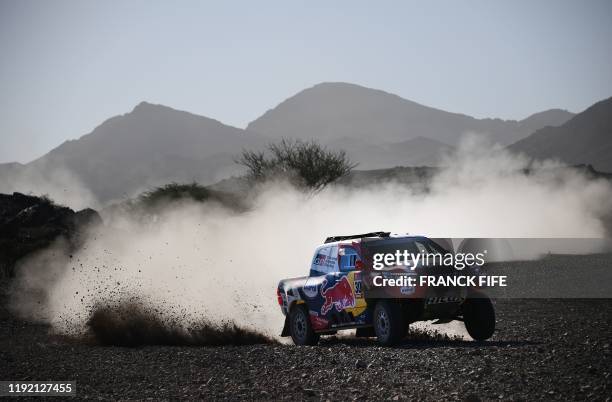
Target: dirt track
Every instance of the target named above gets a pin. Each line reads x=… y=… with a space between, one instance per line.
x=551 y=349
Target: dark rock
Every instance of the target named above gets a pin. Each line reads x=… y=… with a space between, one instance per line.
x=29 y=223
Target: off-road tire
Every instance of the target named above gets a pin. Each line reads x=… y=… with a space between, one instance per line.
x=300 y=327
x=390 y=324
x=479 y=317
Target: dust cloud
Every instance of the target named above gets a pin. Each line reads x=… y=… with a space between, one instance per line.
x=204 y=261
x=59 y=184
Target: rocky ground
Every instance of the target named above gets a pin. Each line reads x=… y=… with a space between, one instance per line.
x=543 y=349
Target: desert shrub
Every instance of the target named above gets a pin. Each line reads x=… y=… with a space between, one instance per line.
x=166 y=194
x=306 y=163
x=173 y=192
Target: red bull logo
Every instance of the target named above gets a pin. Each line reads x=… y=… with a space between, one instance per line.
x=317 y=321
x=340 y=296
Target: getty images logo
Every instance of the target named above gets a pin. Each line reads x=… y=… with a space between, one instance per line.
x=404 y=258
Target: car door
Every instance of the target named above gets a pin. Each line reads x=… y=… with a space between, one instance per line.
x=350 y=265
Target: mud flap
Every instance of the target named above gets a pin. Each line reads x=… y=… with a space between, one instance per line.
x=285 y=331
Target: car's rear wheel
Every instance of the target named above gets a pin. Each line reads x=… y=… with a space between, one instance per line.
x=479 y=317
x=300 y=327
x=390 y=324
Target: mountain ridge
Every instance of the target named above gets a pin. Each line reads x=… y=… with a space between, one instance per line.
x=146 y=147
x=584 y=139
x=154 y=144
x=329 y=111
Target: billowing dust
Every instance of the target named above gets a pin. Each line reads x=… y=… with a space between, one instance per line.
x=203 y=263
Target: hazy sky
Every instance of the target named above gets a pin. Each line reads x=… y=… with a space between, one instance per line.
x=65 y=66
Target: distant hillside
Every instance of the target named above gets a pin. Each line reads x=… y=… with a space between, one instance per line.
x=418 y=177
x=417 y=151
x=335 y=111
x=154 y=145
x=150 y=146
x=585 y=139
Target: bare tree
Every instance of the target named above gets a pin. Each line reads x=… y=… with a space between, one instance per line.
x=307 y=163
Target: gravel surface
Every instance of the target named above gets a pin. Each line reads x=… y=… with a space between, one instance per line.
x=543 y=349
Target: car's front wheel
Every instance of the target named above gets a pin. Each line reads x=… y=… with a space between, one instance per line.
x=300 y=328
x=390 y=323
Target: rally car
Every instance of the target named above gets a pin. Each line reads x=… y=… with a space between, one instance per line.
x=339 y=293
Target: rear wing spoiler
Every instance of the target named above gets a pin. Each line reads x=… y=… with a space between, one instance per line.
x=357 y=236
